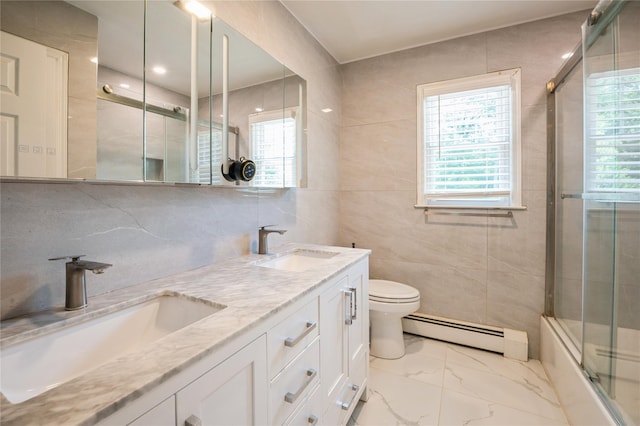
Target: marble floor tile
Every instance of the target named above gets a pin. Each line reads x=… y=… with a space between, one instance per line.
x=438 y=383
x=424 y=361
x=397 y=400
x=512 y=392
x=460 y=409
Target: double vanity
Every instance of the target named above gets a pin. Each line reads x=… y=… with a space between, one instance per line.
x=275 y=339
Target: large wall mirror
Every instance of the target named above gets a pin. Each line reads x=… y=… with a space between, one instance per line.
x=133 y=91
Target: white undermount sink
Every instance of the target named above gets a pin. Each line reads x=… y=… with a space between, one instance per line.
x=31 y=367
x=298 y=260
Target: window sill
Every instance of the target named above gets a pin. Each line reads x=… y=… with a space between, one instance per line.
x=442 y=207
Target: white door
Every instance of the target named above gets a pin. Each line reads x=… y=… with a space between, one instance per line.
x=33 y=108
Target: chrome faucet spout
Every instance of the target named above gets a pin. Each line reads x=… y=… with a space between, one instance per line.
x=263 y=233
x=76 y=283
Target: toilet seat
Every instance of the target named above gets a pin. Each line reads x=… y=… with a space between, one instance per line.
x=392 y=292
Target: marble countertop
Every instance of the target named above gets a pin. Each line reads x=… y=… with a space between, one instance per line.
x=251 y=293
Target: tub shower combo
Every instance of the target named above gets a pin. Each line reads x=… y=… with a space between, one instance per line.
x=593 y=239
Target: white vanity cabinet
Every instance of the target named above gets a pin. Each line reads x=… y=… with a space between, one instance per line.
x=305 y=365
x=233 y=393
x=163 y=414
x=293 y=348
x=344 y=320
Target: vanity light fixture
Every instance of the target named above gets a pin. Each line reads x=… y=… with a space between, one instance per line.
x=124 y=85
x=159 y=70
x=326 y=110
x=195 y=8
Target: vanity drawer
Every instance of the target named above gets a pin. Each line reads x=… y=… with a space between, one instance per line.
x=290 y=388
x=287 y=339
x=339 y=410
x=310 y=411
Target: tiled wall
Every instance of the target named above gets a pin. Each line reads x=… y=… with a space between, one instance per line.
x=152 y=231
x=361 y=189
x=480 y=269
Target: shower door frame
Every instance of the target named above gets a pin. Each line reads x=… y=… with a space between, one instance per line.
x=550 y=265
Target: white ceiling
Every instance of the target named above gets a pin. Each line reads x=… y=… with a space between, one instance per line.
x=351 y=30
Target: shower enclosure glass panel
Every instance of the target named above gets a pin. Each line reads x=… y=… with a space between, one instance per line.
x=611 y=218
x=119 y=132
x=568 y=244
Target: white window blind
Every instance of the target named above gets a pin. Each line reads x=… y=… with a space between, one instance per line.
x=209 y=155
x=613 y=131
x=469 y=141
x=274 y=147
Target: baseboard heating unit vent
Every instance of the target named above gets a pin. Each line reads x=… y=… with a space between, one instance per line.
x=511 y=343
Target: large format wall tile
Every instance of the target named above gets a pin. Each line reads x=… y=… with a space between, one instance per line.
x=483 y=269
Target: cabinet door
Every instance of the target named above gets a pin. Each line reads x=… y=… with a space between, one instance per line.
x=358 y=331
x=232 y=393
x=334 y=361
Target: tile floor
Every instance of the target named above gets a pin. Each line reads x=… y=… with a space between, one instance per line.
x=438 y=383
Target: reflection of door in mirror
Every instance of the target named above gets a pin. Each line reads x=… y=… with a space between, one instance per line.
x=63 y=27
x=33 y=109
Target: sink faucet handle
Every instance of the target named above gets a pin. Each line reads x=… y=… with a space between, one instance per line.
x=266 y=226
x=73 y=258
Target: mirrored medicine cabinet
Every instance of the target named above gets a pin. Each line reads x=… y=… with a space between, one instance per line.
x=137 y=91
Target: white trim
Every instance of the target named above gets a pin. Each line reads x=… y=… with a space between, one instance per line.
x=507 y=77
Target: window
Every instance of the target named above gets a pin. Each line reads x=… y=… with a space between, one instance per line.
x=469 y=142
x=209 y=157
x=274 y=139
x=613 y=133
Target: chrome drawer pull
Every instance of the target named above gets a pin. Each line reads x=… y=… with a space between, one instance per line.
x=354 y=388
x=291 y=342
x=291 y=397
x=312 y=420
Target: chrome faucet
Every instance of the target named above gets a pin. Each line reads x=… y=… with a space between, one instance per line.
x=263 y=246
x=76 y=292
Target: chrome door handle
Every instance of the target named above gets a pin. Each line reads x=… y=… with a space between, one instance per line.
x=355 y=303
x=291 y=342
x=345 y=406
x=312 y=420
x=348 y=318
x=291 y=397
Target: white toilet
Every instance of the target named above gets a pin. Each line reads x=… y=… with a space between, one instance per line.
x=389 y=301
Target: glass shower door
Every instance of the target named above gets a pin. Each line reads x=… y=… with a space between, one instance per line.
x=611 y=267
x=568 y=206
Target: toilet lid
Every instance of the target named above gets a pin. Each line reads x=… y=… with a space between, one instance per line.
x=391 y=291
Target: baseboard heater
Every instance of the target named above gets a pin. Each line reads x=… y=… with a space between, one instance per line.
x=511 y=343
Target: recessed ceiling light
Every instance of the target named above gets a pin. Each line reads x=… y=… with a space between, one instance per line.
x=567 y=55
x=326 y=110
x=124 y=85
x=258 y=109
x=159 y=69
x=94 y=60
